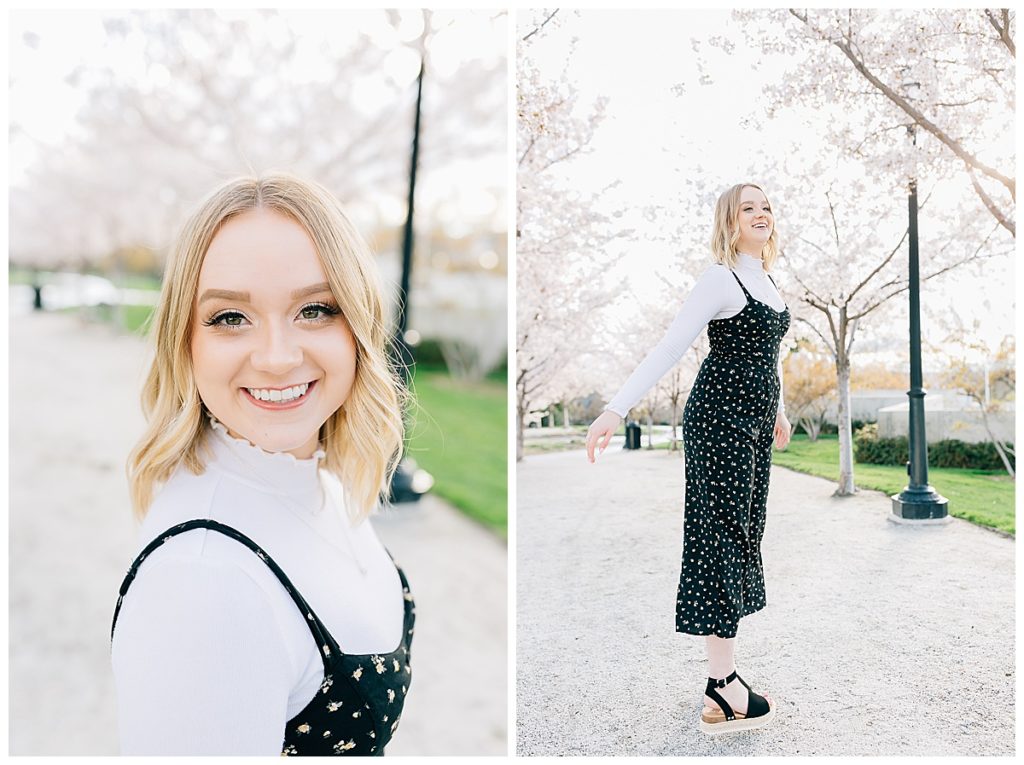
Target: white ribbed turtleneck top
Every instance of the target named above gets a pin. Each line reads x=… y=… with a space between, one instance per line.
x=716 y=295
x=210 y=654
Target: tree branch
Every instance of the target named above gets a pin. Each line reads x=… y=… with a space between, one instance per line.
x=816 y=331
x=880 y=266
x=542 y=25
x=1009 y=225
x=1003 y=29
x=847 y=47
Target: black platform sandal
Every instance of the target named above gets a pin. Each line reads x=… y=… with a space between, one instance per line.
x=724 y=720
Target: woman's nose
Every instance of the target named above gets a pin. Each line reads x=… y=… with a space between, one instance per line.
x=278 y=351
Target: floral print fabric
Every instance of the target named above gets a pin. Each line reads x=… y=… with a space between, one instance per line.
x=728 y=425
x=359 y=704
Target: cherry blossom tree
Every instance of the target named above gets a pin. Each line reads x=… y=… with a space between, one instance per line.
x=179 y=100
x=947 y=71
x=846 y=257
x=866 y=82
x=561 y=236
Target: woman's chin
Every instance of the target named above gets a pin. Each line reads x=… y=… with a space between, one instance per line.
x=300 y=445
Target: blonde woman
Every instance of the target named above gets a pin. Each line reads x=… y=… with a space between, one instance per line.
x=263 y=615
x=733 y=413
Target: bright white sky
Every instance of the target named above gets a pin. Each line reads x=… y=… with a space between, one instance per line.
x=649 y=134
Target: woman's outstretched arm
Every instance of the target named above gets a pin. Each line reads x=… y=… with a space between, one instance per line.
x=714 y=291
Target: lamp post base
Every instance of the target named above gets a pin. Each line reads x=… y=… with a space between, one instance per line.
x=919 y=504
x=919 y=521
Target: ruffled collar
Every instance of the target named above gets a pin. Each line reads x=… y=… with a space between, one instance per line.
x=277 y=473
x=749 y=263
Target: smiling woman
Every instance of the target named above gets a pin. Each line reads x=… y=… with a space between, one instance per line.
x=273 y=341
x=275 y=422
x=734 y=413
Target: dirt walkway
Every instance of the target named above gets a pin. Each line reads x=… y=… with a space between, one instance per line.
x=878 y=638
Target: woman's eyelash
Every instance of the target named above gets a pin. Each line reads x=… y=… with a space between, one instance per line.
x=326 y=309
x=217 y=317
x=330 y=309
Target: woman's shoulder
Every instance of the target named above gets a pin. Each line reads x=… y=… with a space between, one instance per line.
x=715 y=275
x=716 y=271
x=182 y=497
x=187 y=496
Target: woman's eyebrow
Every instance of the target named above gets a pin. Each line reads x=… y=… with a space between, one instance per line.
x=245 y=297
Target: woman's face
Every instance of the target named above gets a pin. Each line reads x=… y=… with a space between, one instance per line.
x=272 y=355
x=755 y=221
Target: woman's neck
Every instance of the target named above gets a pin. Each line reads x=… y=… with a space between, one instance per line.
x=748 y=262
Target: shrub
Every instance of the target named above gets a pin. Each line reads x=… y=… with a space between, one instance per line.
x=869 y=448
x=953 y=453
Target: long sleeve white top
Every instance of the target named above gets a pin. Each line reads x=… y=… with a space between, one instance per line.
x=716 y=295
x=210 y=654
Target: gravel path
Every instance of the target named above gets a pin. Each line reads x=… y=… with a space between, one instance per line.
x=878 y=638
x=74 y=417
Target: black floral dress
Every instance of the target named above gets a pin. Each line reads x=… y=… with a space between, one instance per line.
x=728 y=425
x=358 y=706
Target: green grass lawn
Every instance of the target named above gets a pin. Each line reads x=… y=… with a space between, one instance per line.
x=135 y=316
x=129 y=281
x=460 y=436
x=980 y=496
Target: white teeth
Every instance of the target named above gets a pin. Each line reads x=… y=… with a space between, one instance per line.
x=288 y=394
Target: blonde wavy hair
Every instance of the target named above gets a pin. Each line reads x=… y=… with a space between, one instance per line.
x=725 y=231
x=363 y=438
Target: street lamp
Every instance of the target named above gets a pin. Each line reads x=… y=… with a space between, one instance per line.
x=410 y=481
x=918 y=501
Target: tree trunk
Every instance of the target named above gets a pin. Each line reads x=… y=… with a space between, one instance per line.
x=565 y=414
x=811 y=424
x=520 y=414
x=675 y=419
x=650 y=431
x=996 y=443
x=846 y=486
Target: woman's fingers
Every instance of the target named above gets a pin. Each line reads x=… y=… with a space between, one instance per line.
x=781 y=436
x=600 y=433
x=598 y=439
x=594 y=440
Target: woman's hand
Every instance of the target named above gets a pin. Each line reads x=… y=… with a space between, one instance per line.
x=603 y=427
x=782 y=431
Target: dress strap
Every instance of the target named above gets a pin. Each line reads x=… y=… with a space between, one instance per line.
x=324 y=641
x=740 y=283
x=776 y=286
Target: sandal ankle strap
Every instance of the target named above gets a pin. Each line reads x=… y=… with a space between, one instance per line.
x=714 y=683
x=722 y=682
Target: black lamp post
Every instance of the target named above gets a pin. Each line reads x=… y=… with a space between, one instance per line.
x=409 y=481
x=918 y=500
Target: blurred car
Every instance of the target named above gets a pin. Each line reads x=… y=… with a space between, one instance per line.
x=65 y=290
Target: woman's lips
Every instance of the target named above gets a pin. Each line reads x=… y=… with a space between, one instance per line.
x=279 y=405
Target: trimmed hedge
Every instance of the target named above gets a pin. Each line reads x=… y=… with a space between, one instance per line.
x=951 y=453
